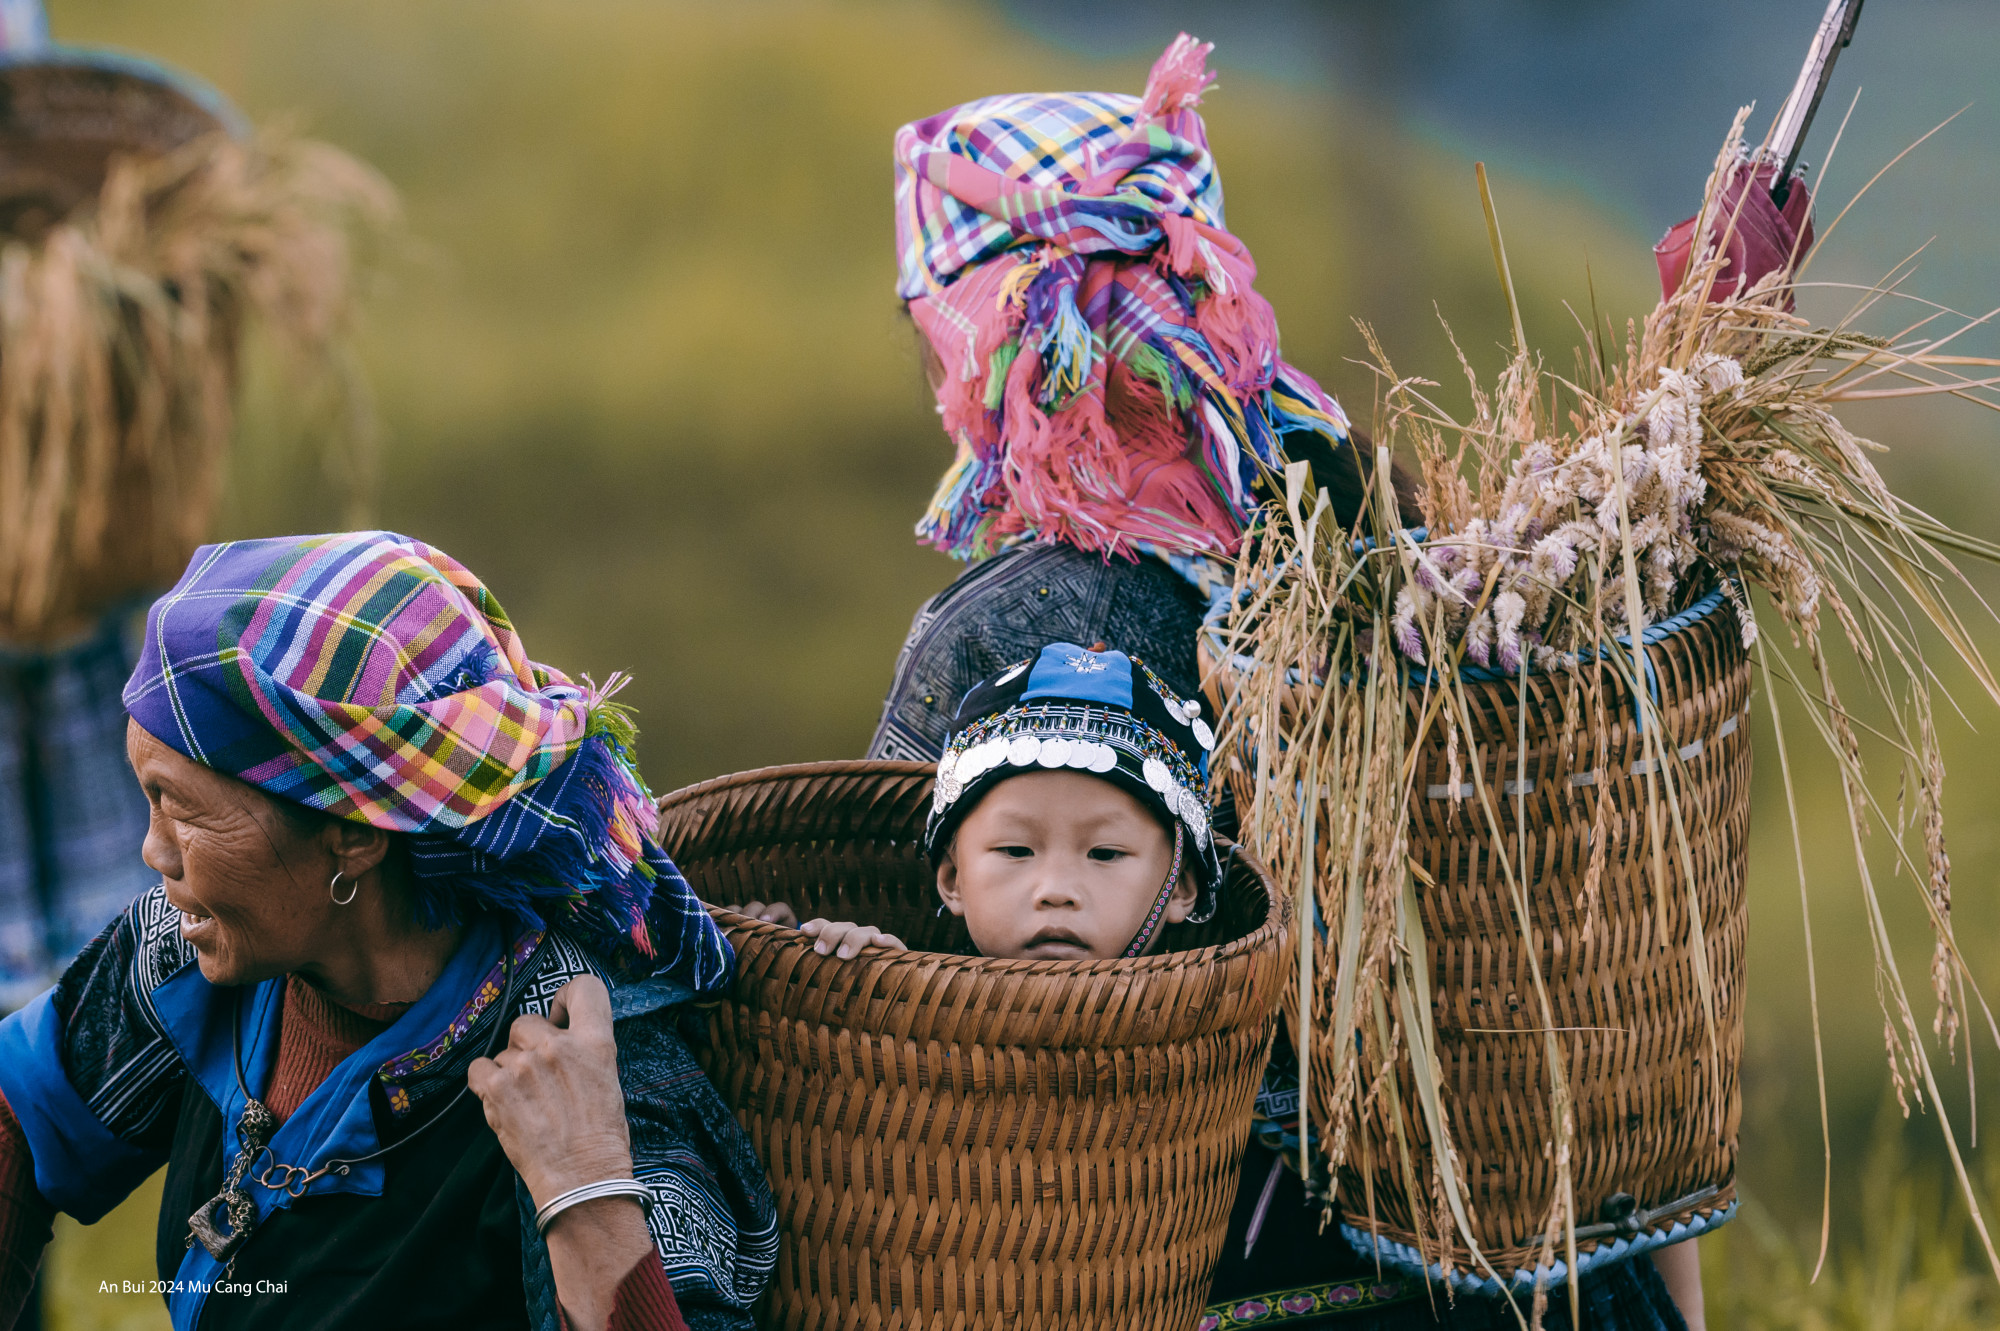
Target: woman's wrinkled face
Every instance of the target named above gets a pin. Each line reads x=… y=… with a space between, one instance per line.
x=1059 y=866
x=252 y=891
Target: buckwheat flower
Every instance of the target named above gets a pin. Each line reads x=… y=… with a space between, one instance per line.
x=1479 y=637
x=1554 y=558
x=1718 y=373
x=1508 y=607
x=1608 y=516
x=1403 y=626
x=1548 y=659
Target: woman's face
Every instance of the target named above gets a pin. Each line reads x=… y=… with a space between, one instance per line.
x=251 y=889
x=1059 y=866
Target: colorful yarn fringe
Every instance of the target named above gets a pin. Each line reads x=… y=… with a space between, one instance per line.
x=1111 y=376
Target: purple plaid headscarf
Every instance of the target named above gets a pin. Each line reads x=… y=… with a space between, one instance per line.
x=376 y=679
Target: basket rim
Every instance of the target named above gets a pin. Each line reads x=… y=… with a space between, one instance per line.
x=1271 y=933
x=1699 y=615
x=823 y=767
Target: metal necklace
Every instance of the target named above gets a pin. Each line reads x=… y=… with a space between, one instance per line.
x=224 y=1222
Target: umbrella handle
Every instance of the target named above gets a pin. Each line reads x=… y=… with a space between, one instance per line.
x=1788 y=133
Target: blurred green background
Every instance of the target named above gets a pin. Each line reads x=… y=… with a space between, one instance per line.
x=639 y=364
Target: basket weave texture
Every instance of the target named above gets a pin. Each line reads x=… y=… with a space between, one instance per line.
x=1657 y=1105
x=959 y=1141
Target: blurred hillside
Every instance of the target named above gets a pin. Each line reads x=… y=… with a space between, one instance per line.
x=647 y=374
x=641 y=367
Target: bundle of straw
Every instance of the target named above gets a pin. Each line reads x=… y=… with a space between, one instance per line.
x=1709 y=458
x=119 y=340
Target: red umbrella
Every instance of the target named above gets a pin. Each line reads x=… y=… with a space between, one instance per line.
x=1765 y=228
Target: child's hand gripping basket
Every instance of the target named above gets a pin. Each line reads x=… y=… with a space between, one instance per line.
x=959 y=1141
x=1656 y=1099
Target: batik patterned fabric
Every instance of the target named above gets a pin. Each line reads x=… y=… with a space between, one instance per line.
x=373 y=678
x=1275 y=1117
x=1111 y=376
x=71 y=817
x=1002 y=610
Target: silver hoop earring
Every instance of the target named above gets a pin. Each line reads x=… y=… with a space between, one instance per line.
x=353 y=886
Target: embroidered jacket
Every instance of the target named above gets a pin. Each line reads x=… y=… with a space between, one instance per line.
x=99 y=1071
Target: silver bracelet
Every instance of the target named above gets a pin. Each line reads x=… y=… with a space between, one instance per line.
x=590 y=1192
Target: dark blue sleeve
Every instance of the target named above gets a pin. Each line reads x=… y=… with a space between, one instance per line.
x=88 y=1069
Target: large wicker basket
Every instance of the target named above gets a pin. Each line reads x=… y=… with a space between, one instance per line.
x=957 y=1141
x=1656 y=1109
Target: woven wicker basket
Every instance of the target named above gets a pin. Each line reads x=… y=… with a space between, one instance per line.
x=958 y=1141
x=1656 y=1112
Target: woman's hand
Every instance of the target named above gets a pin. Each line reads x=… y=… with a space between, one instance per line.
x=770 y=912
x=553 y=1099
x=552 y=1095
x=847 y=938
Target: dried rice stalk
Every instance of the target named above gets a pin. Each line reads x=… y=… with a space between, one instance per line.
x=1712 y=451
x=118 y=357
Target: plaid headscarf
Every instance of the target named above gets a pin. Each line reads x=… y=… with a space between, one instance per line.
x=1111 y=377
x=371 y=677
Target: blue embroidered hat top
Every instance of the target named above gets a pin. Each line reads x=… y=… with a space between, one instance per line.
x=1100 y=712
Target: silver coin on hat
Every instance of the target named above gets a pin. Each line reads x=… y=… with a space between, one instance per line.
x=1082 y=753
x=1055 y=752
x=1104 y=759
x=1203 y=735
x=1023 y=750
x=1157 y=775
x=967 y=769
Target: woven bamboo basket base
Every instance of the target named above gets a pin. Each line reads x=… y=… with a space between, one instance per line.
x=1656 y=1095
x=957 y=1141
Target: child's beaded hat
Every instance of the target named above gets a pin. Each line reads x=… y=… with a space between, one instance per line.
x=1089 y=711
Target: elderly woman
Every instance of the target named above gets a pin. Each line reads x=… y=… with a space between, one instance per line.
x=400 y=1018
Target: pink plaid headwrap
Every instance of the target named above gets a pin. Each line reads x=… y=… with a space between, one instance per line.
x=1112 y=377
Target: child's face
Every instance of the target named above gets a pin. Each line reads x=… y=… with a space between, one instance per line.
x=1059 y=866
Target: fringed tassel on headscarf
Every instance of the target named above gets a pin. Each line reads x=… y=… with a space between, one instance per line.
x=1177 y=80
x=602 y=875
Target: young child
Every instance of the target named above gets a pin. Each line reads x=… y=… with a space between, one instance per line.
x=1071 y=815
x=1071 y=820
